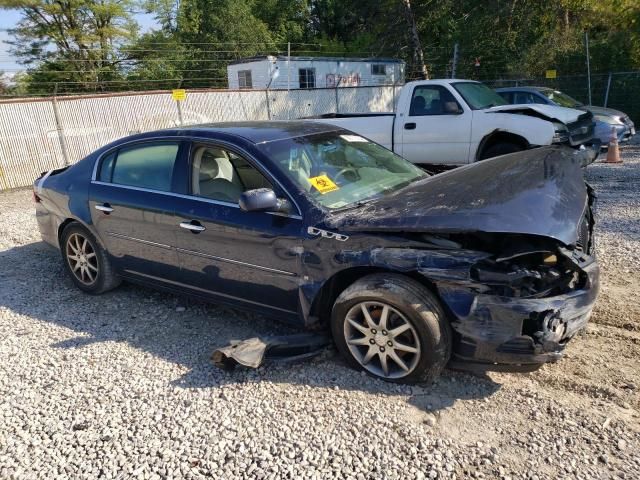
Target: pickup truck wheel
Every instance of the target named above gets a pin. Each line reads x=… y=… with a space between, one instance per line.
x=498 y=149
x=86 y=262
x=393 y=328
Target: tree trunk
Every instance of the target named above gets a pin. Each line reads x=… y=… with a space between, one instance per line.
x=418 y=55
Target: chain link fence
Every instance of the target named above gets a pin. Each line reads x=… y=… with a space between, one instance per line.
x=37 y=135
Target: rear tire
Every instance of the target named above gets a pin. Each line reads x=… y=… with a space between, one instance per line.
x=502 y=148
x=393 y=328
x=86 y=262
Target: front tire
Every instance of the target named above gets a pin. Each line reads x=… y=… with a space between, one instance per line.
x=86 y=261
x=393 y=328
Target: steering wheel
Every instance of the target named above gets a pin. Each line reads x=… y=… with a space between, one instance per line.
x=344 y=172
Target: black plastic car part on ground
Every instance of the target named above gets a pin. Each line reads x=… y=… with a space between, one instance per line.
x=490 y=265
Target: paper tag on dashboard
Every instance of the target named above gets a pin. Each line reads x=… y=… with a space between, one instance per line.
x=353 y=138
x=323 y=184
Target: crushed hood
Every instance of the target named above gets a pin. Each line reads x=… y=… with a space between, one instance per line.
x=551 y=112
x=538 y=192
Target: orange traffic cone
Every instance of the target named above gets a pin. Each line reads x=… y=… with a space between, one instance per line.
x=613 y=153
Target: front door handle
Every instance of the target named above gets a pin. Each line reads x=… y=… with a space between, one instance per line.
x=193 y=225
x=104 y=208
x=410 y=126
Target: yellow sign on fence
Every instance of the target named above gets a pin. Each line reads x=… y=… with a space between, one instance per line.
x=551 y=74
x=179 y=94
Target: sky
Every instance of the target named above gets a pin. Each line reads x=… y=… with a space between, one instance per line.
x=8 y=18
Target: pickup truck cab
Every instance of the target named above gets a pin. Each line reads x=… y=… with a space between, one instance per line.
x=455 y=122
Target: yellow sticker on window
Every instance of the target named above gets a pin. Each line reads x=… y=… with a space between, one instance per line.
x=323 y=184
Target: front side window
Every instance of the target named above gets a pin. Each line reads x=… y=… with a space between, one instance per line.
x=244 y=79
x=478 y=96
x=221 y=174
x=339 y=168
x=525 y=97
x=143 y=166
x=432 y=100
x=508 y=96
x=307 y=77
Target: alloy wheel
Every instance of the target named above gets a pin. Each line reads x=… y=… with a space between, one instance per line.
x=82 y=258
x=382 y=339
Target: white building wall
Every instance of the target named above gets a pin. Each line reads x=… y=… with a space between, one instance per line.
x=327 y=73
x=260 y=73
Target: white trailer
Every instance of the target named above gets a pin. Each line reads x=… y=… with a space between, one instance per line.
x=282 y=72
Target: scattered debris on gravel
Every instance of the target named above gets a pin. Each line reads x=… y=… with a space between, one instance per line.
x=121 y=385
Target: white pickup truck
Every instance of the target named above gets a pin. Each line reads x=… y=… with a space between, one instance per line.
x=455 y=122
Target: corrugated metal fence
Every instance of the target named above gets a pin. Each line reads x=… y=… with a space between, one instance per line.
x=38 y=135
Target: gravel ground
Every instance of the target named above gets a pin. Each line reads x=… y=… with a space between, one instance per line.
x=120 y=385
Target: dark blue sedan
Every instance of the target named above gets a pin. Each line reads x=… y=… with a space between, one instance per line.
x=487 y=266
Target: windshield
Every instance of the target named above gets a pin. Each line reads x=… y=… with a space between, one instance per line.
x=339 y=168
x=478 y=96
x=561 y=99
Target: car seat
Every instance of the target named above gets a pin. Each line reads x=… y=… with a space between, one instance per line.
x=216 y=176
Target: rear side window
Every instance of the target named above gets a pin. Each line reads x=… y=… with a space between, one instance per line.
x=106 y=168
x=145 y=166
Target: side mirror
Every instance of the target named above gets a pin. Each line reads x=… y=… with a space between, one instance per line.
x=262 y=200
x=452 y=108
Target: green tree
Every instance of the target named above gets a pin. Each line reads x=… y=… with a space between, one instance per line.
x=73 y=41
x=215 y=32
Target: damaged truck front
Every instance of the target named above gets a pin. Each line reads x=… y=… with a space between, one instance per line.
x=509 y=252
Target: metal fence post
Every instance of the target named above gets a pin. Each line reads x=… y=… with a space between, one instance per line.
x=586 y=43
x=266 y=92
x=59 y=129
x=267 y=97
x=179 y=107
x=336 y=92
x=454 y=61
x=606 y=94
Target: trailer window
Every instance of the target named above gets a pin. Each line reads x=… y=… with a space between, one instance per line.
x=307 y=77
x=244 y=79
x=378 y=69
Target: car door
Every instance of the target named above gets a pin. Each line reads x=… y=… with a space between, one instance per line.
x=230 y=254
x=132 y=207
x=437 y=128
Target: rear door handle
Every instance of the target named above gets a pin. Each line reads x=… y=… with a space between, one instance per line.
x=193 y=225
x=410 y=126
x=104 y=208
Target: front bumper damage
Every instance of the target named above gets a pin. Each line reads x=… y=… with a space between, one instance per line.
x=517 y=334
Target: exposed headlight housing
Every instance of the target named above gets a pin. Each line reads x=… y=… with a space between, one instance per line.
x=608 y=119
x=561 y=134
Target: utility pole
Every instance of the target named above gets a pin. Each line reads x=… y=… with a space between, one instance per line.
x=586 y=43
x=454 y=61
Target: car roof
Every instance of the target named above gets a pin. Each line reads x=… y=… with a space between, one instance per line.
x=262 y=131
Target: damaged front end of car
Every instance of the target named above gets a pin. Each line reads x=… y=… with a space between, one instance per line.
x=509 y=252
x=518 y=312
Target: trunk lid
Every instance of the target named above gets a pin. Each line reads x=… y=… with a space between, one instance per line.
x=536 y=192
